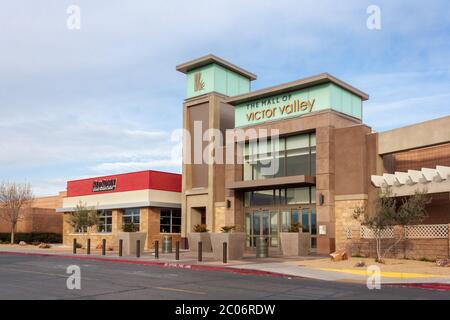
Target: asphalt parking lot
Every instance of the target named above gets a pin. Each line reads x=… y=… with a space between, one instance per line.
x=34 y=277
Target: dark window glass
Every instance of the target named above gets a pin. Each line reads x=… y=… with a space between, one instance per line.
x=105 y=221
x=170 y=221
x=263 y=198
x=132 y=215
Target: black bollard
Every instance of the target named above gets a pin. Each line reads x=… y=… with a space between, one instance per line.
x=120 y=247
x=200 y=253
x=225 y=252
x=88 y=249
x=104 y=247
x=138 y=248
x=157 y=249
x=74 y=246
x=177 y=250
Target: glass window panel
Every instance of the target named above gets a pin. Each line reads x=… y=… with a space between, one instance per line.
x=256 y=224
x=266 y=223
x=165 y=228
x=132 y=215
x=305 y=220
x=274 y=229
x=313 y=221
x=248 y=168
x=105 y=221
x=170 y=221
x=262 y=198
x=297 y=142
x=247 y=199
x=283 y=199
x=165 y=213
x=248 y=228
x=176 y=213
x=294 y=217
x=313 y=139
x=165 y=220
x=285 y=221
x=314 y=243
x=313 y=161
x=297 y=195
x=313 y=194
x=297 y=162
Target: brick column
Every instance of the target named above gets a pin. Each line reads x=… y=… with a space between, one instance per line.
x=449 y=241
x=117 y=223
x=325 y=185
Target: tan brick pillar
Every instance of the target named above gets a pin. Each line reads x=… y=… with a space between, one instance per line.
x=117 y=223
x=449 y=241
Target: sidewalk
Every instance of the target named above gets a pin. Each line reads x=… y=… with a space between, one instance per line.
x=314 y=267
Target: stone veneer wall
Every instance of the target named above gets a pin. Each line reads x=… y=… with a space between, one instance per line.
x=344 y=210
x=430 y=249
x=219 y=220
x=149 y=222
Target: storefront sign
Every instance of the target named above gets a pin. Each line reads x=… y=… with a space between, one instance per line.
x=296 y=106
x=104 y=185
x=298 y=103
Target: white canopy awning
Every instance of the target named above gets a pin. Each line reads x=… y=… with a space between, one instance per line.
x=406 y=183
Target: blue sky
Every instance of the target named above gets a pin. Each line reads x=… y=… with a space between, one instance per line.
x=106 y=98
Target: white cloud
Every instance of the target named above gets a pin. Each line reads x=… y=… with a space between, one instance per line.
x=107 y=98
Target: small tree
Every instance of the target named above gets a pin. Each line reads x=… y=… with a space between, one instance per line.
x=83 y=219
x=13 y=200
x=388 y=212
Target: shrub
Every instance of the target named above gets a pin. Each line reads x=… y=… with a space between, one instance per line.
x=228 y=229
x=32 y=237
x=200 y=228
x=130 y=227
x=295 y=227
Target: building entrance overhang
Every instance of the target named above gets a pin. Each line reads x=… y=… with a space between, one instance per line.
x=407 y=183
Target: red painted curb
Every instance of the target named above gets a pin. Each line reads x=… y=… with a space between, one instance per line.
x=432 y=286
x=156 y=264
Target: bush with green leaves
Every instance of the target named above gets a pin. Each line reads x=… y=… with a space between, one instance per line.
x=295 y=227
x=200 y=228
x=227 y=229
x=130 y=227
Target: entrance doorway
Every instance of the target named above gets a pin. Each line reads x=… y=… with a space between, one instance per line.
x=270 y=222
x=198 y=216
x=262 y=223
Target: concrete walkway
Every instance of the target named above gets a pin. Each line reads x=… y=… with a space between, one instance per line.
x=274 y=266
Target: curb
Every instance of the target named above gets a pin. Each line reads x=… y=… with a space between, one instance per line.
x=174 y=265
x=431 y=286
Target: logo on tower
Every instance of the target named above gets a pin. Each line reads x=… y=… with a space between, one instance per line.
x=199 y=84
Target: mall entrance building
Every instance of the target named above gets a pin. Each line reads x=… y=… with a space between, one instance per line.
x=326 y=156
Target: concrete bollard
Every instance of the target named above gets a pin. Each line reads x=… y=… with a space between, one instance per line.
x=200 y=251
x=88 y=248
x=104 y=247
x=138 y=248
x=74 y=246
x=177 y=250
x=156 y=249
x=225 y=251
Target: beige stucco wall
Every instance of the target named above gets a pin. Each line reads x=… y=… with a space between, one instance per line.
x=415 y=136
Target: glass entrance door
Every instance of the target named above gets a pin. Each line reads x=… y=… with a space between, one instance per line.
x=309 y=224
x=262 y=223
